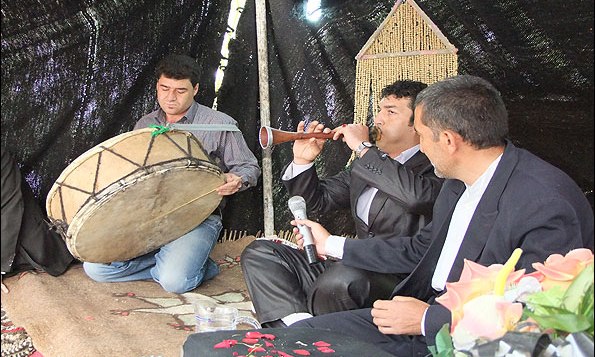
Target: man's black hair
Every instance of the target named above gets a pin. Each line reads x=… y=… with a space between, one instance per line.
x=404 y=89
x=179 y=67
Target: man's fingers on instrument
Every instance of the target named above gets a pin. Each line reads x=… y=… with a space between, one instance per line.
x=338 y=134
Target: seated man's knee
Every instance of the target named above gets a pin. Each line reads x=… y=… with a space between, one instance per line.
x=342 y=278
x=254 y=251
x=247 y=252
x=339 y=290
x=97 y=271
x=177 y=284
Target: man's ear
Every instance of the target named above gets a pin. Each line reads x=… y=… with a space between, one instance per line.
x=196 y=89
x=452 y=140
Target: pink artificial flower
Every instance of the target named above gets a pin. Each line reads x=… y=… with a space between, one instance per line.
x=476 y=280
x=486 y=317
x=473 y=270
x=560 y=270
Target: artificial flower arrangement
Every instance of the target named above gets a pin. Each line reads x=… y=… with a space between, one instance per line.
x=497 y=311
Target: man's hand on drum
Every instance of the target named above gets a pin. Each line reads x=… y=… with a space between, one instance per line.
x=232 y=184
x=306 y=150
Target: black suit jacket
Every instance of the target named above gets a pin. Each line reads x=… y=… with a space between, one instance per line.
x=528 y=204
x=403 y=204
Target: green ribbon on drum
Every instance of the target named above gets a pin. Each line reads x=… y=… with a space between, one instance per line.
x=160 y=129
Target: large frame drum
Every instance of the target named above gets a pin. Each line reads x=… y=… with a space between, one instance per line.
x=133 y=194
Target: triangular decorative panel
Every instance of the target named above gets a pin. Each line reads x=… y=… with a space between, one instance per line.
x=407 y=45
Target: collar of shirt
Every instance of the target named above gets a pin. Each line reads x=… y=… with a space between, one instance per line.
x=184 y=120
x=479 y=186
x=407 y=154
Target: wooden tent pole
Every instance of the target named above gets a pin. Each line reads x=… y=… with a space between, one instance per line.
x=263 y=85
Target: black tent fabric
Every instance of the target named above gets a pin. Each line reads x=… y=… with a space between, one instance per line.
x=538 y=54
x=77 y=73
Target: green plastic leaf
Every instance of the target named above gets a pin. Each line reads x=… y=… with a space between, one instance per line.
x=580 y=285
x=568 y=322
x=565 y=311
x=586 y=309
x=444 y=347
x=542 y=302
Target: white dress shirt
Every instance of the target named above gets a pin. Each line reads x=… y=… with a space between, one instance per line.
x=459 y=223
x=457 y=228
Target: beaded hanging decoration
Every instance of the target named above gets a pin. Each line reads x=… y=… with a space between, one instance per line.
x=407 y=45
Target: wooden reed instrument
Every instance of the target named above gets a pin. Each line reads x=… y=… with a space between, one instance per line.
x=269 y=136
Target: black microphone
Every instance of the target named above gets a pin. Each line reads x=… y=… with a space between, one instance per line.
x=297 y=206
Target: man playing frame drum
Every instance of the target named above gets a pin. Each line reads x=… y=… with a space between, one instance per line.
x=184 y=263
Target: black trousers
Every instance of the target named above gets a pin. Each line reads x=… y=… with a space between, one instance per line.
x=358 y=324
x=281 y=282
x=27 y=240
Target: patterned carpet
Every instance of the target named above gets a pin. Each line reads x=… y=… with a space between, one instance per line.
x=15 y=340
x=100 y=319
